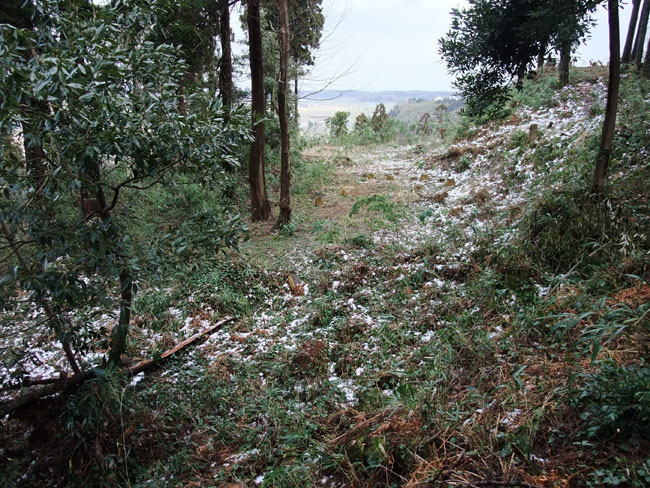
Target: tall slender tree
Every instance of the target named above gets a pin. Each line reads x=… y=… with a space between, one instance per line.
x=609 y=124
x=226 y=85
x=565 y=63
x=226 y=91
x=541 y=55
x=34 y=114
x=637 y=50
x=260 y=206
x=566 y=22
x=631 y=30
x=23 y=15
x=646 y=62
x=285 y=168
x=306 y=22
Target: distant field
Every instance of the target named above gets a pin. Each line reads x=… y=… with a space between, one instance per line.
x=313 y=114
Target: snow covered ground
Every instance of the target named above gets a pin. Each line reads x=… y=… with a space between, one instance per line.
x=452 y=195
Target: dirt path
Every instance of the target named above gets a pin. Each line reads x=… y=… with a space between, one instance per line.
x=443 y=195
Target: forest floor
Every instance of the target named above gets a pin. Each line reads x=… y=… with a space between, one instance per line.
x=433 y=331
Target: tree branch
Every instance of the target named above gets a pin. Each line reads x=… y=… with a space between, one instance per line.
x=55 y=385
x=53 y=318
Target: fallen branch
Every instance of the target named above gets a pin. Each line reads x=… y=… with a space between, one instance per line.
x=59 y=384
x=151 y=363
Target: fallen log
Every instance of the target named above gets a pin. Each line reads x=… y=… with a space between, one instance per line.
x=57 y=386
x=64 y=383
x=151 y=363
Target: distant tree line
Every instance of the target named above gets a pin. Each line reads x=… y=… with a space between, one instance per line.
x=493 y=44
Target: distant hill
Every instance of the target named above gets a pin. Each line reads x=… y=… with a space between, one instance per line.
x=389 y=96
x=316 y=108
x=411 y=110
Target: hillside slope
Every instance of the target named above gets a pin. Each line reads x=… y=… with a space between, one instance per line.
x=467 y=313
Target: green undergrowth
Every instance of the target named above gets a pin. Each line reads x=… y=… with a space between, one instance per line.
x=380 y=207
x=524 y=355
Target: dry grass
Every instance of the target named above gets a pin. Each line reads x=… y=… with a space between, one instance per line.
x=458 y=151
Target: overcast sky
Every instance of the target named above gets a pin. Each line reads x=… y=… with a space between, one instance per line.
x=392 y=44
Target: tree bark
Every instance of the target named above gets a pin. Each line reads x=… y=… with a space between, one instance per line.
x=225 y=63
x=35 y=164
x=36 y=110
x=226 y=86
x=120 y=333
x=565 y=63
x=609 y=124
x=521 y=73
x=646 y=62
x=186 y=81
x=295 y=93
x=285 y=167
x=540 y=59
x=641 y=33
x=260 y=207
x=631 y=30
x=182 y=104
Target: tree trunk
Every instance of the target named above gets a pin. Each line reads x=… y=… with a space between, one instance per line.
x=120 y=332
x=226 y=87
x=225 y=63
x=295 y=94
x=600 y=172
x=540 y=59
x=35 y=110
x=59 y=327
x=521 y=73
x=646 y=62
x=260 y=207
x=35 y=164
x=631 y=30
x=186 y=81
x=641 y=32
x=285 y=168
x=565 y=63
